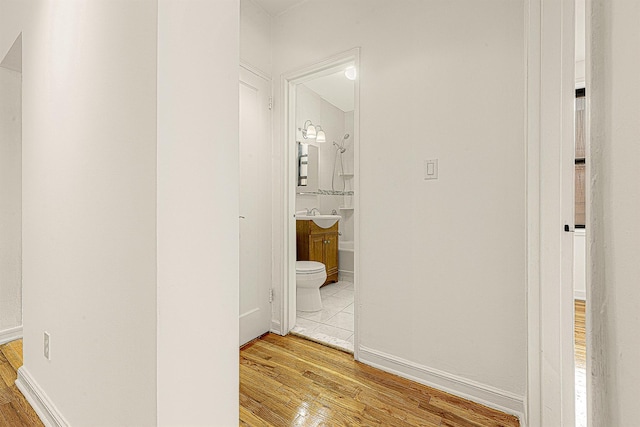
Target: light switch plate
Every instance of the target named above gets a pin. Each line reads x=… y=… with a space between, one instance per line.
x=431 y=169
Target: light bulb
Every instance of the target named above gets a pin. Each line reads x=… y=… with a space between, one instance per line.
x=321 y=137
x=311 y=131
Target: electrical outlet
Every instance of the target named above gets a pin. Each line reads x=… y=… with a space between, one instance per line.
x=47 y=348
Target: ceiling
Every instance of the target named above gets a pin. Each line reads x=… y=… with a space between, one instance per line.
x=276 y=7
x=335 y=89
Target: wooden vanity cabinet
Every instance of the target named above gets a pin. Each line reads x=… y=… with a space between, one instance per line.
x=314 y=243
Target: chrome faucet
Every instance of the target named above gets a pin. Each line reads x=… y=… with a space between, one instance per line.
x=311 y=212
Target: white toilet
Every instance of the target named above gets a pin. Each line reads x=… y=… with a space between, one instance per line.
x=310 y=275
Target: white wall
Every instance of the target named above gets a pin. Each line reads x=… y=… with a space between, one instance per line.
x=89 y=203
x=442 y=264
x=198 y=212
x=580 y=53
x=614 y=237
x=309 y=107
x=10 y=199
x=580 y=264
x=13 y=18
x=348 y=218
x=255 y=36
x=91 y=172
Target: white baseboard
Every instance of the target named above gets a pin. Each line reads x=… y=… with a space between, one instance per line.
x=11 y=334
x=492 y=397
x=276 y=327
x=345 y=275
x=40 y=402
x=581 y=295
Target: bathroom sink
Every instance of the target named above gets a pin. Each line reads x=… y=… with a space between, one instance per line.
x=324 y=221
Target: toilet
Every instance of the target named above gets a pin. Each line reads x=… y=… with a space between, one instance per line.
x=310 y=275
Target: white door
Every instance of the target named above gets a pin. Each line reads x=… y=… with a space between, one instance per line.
x=255 y=206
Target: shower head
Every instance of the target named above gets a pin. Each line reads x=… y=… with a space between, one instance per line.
x=339 y=147
x=346 y=136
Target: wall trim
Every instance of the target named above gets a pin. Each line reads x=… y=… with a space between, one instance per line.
x=39 y=401
x=581 y=295
x=10 y=334
x=533 y=65
x=255 y=70
x=345 y=275
x=483 y=394
x=276 y=327
x=550 y=94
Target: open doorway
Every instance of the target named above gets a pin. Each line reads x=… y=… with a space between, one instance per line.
x=11 y=194
x=321 y=198
x=324 y=189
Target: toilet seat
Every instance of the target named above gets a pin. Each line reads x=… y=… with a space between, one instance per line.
x=309 y=267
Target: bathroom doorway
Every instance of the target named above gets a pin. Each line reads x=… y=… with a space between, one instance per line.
x=11 y=194
x=321 y=199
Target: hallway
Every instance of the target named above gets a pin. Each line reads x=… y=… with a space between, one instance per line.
x=292 y=381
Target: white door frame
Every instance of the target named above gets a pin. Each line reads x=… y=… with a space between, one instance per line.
x=550 y=126
x=288 y=84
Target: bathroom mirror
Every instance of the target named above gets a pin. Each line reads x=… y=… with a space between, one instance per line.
x=307 y=167
x=303 y=164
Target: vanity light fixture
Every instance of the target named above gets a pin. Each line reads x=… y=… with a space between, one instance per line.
x=320 y=136
x=308 y=130
x=350 y=72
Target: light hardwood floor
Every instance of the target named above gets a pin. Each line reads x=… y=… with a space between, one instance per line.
x=580 y=340
x=289 y=381
x=15 y=411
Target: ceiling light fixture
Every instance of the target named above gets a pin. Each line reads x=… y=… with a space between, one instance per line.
x=350 y=72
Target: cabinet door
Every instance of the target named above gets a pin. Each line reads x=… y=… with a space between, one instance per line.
x=316 y=248
x=331 y=253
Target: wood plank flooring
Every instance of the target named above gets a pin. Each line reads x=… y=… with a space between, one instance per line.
x=580 y=359
x=15 y=411
x=289 y=381
x=580 y=335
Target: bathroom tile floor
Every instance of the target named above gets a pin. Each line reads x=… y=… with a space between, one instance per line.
x=333 y=325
